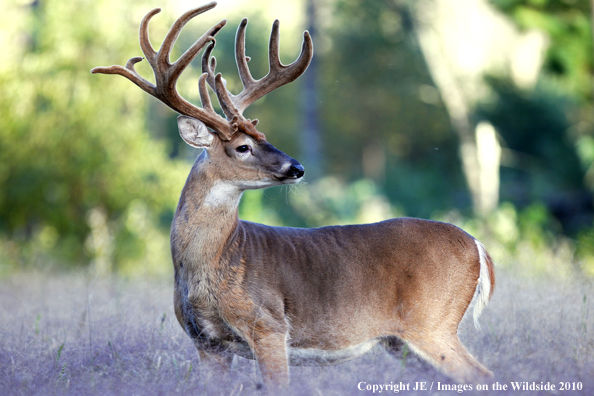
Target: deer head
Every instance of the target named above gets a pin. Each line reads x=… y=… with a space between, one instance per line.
x=232 y=142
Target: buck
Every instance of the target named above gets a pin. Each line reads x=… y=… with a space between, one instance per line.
x=286 y=296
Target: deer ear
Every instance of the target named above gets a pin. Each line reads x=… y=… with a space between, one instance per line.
x=194 y=132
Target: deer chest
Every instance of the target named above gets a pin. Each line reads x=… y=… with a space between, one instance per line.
x=199 y=310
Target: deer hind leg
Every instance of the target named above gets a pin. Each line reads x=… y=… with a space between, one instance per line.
x=448 y=355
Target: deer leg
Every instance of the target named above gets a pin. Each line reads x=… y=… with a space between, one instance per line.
x=271 y=354
x=217 y=361
x=216 y=364
x=447 y=354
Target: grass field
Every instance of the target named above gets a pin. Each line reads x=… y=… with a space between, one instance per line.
x=75 y=335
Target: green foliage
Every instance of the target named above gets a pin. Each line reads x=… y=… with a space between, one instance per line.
x=377 y=92
x=568 y=24
x=74 y=144
x=331 y=201
x=253 y=208
x=550 y=129
x=533 y=126
x=382 y=117
x=585 y=251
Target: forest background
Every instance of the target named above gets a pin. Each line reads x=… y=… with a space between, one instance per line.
x=478 y=113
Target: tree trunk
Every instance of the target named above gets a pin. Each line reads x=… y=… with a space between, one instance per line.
x=310 y=136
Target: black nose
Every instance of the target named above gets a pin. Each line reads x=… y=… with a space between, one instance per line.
x=296 y=171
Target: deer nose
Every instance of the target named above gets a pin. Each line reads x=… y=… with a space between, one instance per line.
x=296 y=171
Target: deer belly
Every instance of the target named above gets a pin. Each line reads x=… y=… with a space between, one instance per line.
x=312 y=356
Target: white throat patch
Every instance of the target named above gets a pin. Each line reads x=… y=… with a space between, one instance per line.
x=222 y=194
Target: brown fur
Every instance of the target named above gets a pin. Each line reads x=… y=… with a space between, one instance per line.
x=249 y=128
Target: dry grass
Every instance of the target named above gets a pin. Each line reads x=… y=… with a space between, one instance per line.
x=74 y=335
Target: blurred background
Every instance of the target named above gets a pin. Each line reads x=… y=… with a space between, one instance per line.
x=476 y=112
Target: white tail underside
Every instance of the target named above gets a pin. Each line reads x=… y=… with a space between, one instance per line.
x=483 y=287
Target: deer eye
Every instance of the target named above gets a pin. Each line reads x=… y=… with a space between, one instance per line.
x=243 y=149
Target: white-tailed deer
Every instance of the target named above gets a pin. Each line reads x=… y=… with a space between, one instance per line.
x=289 y=295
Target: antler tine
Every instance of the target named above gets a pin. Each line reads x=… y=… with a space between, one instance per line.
x=273 y=47
x=240 y=58
x=209 y=64
x=188 y=56
x=226 y=99
x=217 y=82
x=129 y=72
x=204 y=97
x=145 y=42
x=175 y=30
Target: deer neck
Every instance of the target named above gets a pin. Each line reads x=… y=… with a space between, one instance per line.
x=206 y=219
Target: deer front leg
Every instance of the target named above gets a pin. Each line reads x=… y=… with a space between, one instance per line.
x=217 y=362
x=271 y=354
